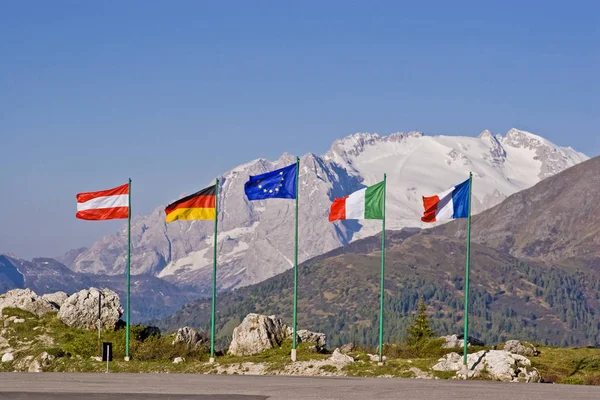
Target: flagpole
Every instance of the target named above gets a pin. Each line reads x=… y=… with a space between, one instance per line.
x=382 y=275
x=467 y=267
x=294 y=323
x=128 y=321
x=214 y=279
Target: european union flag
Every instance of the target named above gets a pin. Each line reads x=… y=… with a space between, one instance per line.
x=278 y=184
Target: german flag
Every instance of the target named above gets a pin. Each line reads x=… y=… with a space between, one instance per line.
x=200 y=205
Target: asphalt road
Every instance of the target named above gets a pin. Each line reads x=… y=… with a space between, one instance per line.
x=67 y=386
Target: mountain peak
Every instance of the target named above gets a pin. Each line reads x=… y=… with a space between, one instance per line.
x=355 y=144
x=485 y=134
x=519 y=138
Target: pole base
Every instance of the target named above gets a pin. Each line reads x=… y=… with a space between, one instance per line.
x=211 y=360
x=465 y=371
x=127 y=358
x=380 y=364
x=294 y=355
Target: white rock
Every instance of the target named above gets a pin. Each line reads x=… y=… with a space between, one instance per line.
x=178 y=360
x=497 y=364
x=517 y=347
x=256 y=334
x=339 y=358
x=57 y=299
x=375 y=357
x=306 y=336
x=191 y=337
x=80 y=310
x=7 y=357
x=27 y=300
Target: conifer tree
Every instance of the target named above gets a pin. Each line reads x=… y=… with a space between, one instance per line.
x=421 y=326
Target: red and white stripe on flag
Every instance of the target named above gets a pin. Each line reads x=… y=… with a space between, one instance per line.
x=104 y=204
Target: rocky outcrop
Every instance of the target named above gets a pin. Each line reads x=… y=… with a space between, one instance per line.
x=40 y=362
x=256 y=334
x=339 y=358
x=80 y=310
x=456 y=341
x=57 y=299
x=27 y=300
x=191 y=337
x=347 y=348
x=522 y=348
x=491 y=364
x=306 y=336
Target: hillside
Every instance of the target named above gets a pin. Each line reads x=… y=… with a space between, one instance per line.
x=536 y=297
x=256 y=238
x=31 y=343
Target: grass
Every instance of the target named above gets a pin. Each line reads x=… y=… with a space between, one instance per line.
x=579 y=366
x=151 y=352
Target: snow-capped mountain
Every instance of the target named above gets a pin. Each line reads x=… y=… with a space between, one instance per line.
x=256 y=239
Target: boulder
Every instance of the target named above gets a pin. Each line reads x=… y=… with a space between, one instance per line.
x=456 y=341
x=80 y=310
x=319 y=339
x=522 y=348
x=7 y=357
x=375 y=357
x=495 y=364
x=339 y=358
x=347 y=348
x=178 y=360
x=41 y=361
x=27 y=300
x=56 y=299
x=191 y=337
x=256 y=334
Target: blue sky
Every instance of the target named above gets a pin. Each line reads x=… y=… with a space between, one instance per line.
x=173 y=93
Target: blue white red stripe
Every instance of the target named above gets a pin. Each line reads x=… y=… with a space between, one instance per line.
x=450 y=204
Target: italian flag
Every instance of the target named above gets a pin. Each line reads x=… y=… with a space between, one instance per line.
x=365 y=203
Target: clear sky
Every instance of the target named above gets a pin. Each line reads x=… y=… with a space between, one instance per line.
x=173 y=93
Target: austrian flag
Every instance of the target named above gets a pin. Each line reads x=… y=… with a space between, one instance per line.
x=451 y=204
x=103 y=205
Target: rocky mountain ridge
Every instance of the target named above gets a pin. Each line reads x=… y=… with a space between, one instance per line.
x=256 y=238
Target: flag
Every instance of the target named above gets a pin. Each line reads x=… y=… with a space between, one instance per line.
x=278 y=184
x=200 y=205
x=451 y=204
x=365 y=203
x=103 y=205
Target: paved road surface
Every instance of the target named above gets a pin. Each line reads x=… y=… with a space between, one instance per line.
x=67 y=386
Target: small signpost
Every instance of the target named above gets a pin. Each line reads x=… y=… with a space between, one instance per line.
x=107 y=354
x=99 y=322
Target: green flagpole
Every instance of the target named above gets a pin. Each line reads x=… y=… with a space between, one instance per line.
x=382 y=275
x=467 y=265
x=214 y=279
x=294 y=323
x=128 y=276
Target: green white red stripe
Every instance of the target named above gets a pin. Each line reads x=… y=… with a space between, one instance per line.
x=365 y=203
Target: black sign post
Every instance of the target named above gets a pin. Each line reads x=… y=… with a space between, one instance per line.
x=107 y=353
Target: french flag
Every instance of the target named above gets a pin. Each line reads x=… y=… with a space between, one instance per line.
x=450 y=204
